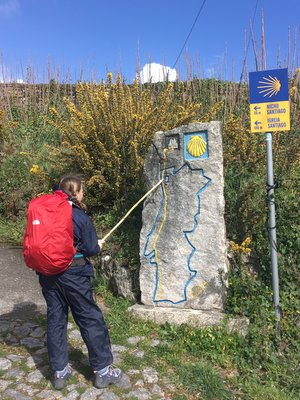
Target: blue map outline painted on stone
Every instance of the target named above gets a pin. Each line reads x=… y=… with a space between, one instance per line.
x=152 y=254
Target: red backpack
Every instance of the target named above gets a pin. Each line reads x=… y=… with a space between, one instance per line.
x=48 y=242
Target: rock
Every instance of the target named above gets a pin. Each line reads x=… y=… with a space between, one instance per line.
x=92 y=394
x=120 y=279
x=75 y=386
x=73 y=395
x=135 y=339
x=157 y=390
x=14 y=357
x=32 y=343
x=238 y=325
x=139 y=394
x=118 y=348
x=41 y=351
x=13 y=394
x=150 y=375
x=182 y=242
x=117 y=358
x=30 y=325
x=133 y=372
x=49 y=395
x=124 y=383
x=138 y=353
x=21 y=331
x=22 y=387
x=15 y=373
x=34 y=362
x=154 y=343
x=11 y=339
x=4 y=326
x=5 y=364
x=108 y=395
x=38 y=333
x=34 y=377
x=4 y=384
x=177 y=316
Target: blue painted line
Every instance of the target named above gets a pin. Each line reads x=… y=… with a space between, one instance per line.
x=193 y=230
x=151 y=255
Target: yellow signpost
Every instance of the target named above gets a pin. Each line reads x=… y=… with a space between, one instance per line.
x=270 y=117
x=269 y=101
x=269 y=112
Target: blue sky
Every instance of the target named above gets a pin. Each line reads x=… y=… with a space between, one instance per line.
x=97 y=36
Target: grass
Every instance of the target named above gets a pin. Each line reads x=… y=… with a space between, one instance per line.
x=267 y=392
x=199 y=363
x=189 y=362
x=12 y=232
x=202 y=379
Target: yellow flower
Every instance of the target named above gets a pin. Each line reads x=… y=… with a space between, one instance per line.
x=246 y=241
x=236 y=248
x=293 y=90
x=35 y=169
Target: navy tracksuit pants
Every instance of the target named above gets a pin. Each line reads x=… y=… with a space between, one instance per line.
x=64 y=292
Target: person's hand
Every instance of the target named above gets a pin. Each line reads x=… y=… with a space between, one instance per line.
x=101 y=243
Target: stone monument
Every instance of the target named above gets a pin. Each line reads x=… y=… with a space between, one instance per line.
x=183 y=240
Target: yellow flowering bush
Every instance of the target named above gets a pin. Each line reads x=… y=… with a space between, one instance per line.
x=2 y=116
x=212 y=112
x=243 y=248
x=240 y=145
x=108 y=131
x=1 y=119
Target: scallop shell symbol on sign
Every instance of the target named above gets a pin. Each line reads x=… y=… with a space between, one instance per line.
x=269 y=86
x=196 y=146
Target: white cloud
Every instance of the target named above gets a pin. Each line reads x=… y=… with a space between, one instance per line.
x=9 y=7
x=154 y=73
x=6 y=75
x=210 y=72
x=10 y=80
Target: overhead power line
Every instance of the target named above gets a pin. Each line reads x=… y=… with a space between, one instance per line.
x=245 y=58
x=190 y=32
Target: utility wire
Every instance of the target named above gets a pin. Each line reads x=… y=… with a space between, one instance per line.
x=190 y=32
x=245 y=58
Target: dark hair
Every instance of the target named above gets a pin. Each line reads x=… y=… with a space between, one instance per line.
x=71 y=185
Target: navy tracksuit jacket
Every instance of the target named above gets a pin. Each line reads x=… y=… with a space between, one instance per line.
x=72 y=290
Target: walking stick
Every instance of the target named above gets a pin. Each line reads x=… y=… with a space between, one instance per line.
x=132 y=208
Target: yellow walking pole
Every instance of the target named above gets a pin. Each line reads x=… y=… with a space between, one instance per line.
x=132 y=208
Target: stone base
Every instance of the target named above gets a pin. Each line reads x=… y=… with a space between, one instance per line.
x=195 y=318
x=177 y=316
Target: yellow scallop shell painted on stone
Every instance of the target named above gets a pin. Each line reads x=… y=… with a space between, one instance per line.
x=196 y=146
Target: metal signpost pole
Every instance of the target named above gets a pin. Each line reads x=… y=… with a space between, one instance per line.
x=272 y=224
x=270 y=112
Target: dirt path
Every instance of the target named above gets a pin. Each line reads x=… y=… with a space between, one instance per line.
x=19 y=287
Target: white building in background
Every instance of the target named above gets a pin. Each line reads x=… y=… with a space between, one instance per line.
x=153 y=73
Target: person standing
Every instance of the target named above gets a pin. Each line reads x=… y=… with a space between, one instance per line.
x=71 y=290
